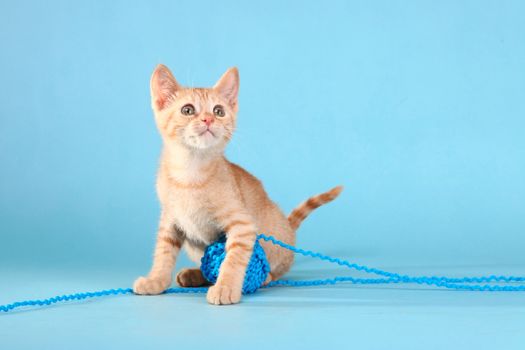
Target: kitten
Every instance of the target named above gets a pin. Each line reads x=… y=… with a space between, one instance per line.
x=203 y=194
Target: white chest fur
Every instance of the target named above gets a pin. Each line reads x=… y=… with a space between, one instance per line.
x=191 y=215
x=186 y=202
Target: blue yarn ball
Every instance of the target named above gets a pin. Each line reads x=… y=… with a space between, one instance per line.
x=256 y=272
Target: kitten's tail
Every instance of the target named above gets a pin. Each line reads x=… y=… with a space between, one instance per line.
x=304 y=209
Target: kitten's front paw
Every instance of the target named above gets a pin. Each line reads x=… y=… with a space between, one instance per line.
x=220 y=294
x=150 y=286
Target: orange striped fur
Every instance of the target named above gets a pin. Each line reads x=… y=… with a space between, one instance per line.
x=203 y=194
x=304 y=209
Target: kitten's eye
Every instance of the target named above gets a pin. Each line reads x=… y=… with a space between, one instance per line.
x=218 y=111
x=188 y=110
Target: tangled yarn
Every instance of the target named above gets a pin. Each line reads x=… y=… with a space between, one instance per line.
x=258 y=269
x=256 y=272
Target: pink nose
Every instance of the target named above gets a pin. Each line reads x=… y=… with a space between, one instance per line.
x=207 y=119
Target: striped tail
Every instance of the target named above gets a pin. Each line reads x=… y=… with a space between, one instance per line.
x=304 y=209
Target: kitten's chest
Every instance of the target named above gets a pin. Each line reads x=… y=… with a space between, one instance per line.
x=191 y=214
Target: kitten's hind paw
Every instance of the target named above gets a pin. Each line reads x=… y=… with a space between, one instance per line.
x=150 y=286
x=191 y=278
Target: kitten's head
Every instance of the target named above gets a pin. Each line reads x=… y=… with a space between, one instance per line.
x=195 y=118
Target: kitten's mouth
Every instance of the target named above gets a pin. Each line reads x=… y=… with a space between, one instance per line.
x=207 y=131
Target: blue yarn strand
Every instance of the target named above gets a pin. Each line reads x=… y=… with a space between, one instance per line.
x=460 y=283
x=392 y=277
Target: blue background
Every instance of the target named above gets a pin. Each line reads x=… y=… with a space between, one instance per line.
x=417 y=107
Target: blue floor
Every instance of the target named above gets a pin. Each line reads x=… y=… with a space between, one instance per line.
x=346 y=316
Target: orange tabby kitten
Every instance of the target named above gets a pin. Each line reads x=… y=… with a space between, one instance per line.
x=203 y=194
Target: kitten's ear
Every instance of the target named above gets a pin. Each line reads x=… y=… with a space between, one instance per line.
x=163 y=86
x=228 y=86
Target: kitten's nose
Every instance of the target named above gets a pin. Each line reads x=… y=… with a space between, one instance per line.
x=207 y=119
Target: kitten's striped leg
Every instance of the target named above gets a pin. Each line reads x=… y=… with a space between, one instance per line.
x=241 y=235
x=166 y=250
